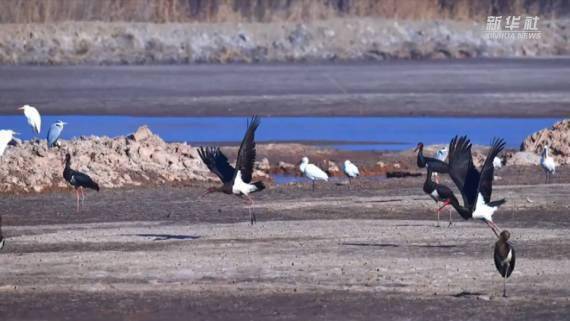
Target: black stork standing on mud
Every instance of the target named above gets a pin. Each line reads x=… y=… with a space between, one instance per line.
x=78 y=180
x=236 y=181
x=504 y=257
x=436 y=165
x=475 y=187
x=439 y=193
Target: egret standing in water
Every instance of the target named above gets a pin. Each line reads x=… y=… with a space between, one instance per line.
x=350 y=170
x=312 y=172
x=33 y=117
x=54 y=133
x=547 y=163
x=6 y=136
x=236 y=181
x=504 y=257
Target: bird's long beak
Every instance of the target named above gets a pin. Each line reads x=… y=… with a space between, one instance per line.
x=21 y=108
x=16 y=133
x=416 y=149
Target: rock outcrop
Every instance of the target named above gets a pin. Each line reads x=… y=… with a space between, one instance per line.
x=140 y=158
x=557 y=138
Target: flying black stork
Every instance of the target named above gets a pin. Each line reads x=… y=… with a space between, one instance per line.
x=505 y=258
x=475 y=187
x=78 y=180
x=439 y=193
x=236 y=181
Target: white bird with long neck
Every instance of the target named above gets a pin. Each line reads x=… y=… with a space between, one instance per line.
x=312 y=172
x=6 y=136
x=547 y=163
x=33 y=117
x=350 y=170
x=497 y=162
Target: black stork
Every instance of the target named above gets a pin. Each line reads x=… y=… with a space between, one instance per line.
x=504 y=257
x=436 y=165
x=439 y=193
x=475 y=187
x=236 y=181
x=78 y=180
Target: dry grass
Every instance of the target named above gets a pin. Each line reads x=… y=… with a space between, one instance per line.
x=26 y=11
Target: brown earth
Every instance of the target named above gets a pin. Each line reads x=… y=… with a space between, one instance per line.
x=365 y=252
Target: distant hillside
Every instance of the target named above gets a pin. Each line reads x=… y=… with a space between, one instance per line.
x=39 y=11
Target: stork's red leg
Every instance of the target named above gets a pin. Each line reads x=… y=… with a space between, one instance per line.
x=77 y=200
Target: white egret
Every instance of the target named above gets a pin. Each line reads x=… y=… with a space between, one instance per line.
x=547 y=163
x=54 y=132
x=33 y=117
x=312 y=172
x=350 y=170
x=6 y=136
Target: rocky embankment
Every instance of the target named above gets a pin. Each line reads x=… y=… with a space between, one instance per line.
x=143 y=158
x=557 y=138
x=337 y=39
x=140 y=158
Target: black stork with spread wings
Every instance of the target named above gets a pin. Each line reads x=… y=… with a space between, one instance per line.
x=475 y=187
x=236 y=181
x=78 y=180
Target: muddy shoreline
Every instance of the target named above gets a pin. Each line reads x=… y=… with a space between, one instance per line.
x=480 y=87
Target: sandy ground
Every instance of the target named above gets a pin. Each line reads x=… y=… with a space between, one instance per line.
x=371 y=251
x=488 y=87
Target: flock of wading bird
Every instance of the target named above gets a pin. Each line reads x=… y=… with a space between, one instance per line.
x=475 y=185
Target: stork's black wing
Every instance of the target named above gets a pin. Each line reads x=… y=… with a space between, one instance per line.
x=436 y=165
x=79 y=179
x=487 y=172
x=246 y=154
x=500 y=255
x=462 y=171
x=217 y=163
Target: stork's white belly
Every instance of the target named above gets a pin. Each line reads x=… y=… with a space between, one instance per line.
x=241 y=187
x=482 y=210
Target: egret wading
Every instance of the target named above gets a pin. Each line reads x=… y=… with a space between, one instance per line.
x=312 y=172
x=548 y=165
x=350 y=170
x=78 y=180
x=475 y=187
x=54 y=133
x=504 y=257
x=33 y=117
x=6 y=136
x=236 y=181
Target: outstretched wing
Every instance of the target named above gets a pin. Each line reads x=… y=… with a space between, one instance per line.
x=217 y=163
x=246 y=154
x=462 y=171
x=487 y=172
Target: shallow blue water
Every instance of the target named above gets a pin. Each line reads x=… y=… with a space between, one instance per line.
x=350 y=133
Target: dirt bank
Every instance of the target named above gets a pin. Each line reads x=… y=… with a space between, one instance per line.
x=342 y=39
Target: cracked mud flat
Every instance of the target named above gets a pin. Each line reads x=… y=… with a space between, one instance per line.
x=368 y=252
